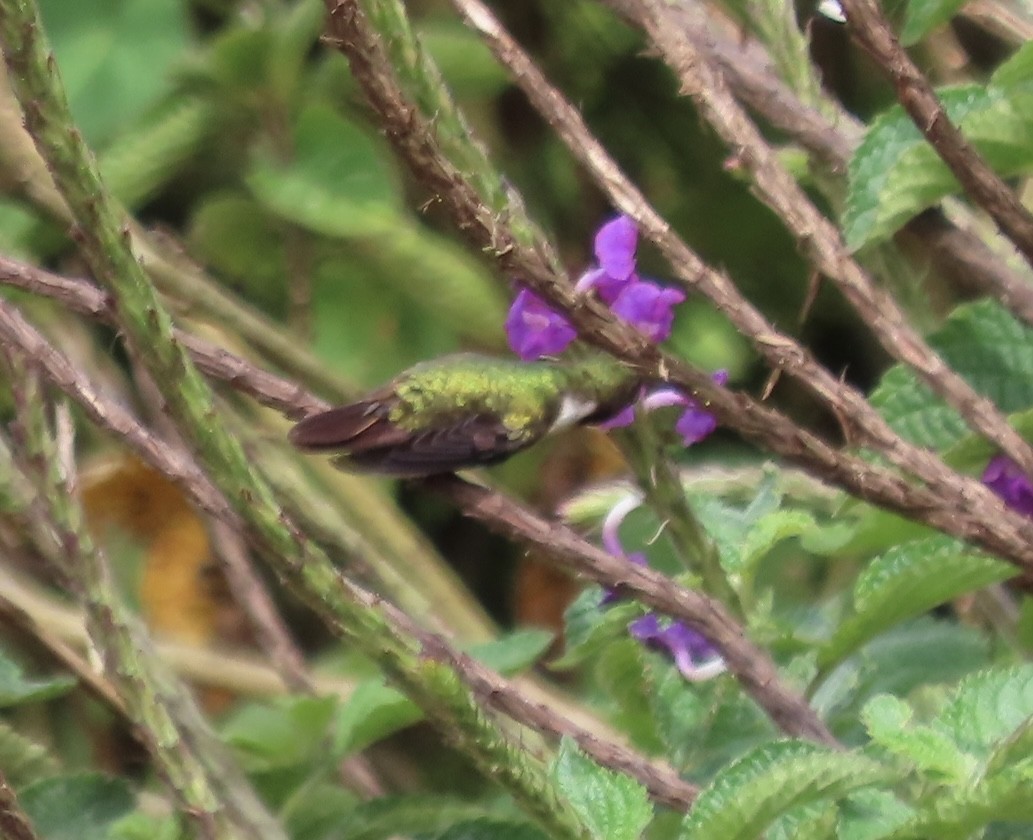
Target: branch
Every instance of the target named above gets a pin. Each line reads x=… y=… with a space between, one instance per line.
x=974 y=512
x=815 y=234
x=358 y=615
x=220 y=803
x=955 y=252
x=16 y=333
x=752 y=667
x=14 y=823
x=984 y=186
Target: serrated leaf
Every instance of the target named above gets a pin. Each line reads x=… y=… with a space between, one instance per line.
x=812 y=822
x=373 y=711
x=745 y=797
x=280 y=733
x=894 y=174
x=338 y=182
x=769 y=531
x=488 y=829
x=925 y=15
x=613 y=806
x=871 y=814
x=987 y=346
x=589 y=627
x=79 y=807
x=16 y=688
x=678 y=712
x=962 y=812
x=897 y=662
x=515 y=651
x=624 y=672
x=23 y=760
x=906 y=581
x=424 y=815
x=988 y=707
x=888 y=719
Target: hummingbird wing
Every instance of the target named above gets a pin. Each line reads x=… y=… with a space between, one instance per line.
x=368 y=439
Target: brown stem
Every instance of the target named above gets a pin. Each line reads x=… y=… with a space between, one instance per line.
x=816 y=235
x=19 y=335
x=984 y=186
x=974 y=509
x=956 y=253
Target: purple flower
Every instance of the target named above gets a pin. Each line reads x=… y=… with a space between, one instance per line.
x=649 y=308
x=1007 y=480
x=534 y=330
x=692 y=653
x=615 y=246
x=696 y=423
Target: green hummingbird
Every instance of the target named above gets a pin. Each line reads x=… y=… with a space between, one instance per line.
x=466 y=410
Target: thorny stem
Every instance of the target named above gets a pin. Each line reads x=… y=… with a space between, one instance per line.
x=974 y=509
x=361 y=617
x=955 y=252
x=512 y=518
x=817 y=236
x=916 y=94
x=128 y=659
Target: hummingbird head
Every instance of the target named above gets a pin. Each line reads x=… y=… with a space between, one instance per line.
x=606 y=382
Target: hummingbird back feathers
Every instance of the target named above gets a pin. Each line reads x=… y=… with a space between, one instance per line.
x=450 y=414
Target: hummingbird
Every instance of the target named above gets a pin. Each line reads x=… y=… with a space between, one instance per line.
x=466 y=410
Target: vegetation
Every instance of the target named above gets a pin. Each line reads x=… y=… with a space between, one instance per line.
x=789 y=599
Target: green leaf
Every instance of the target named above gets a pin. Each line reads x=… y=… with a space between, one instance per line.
x=237 y=238
x=906 y=581
x=612 y=805
x=284 y=732
x=871 y=814
x=769 y=531
x=373 y=712
x=16 y=688
x=625 y=673
x=899 y=661
x=894 y=174
x=489 y=829
x=140 y=826
x=679 y=712
x=423 y=815
x=139 y=163
x=888 y=722
x=466 y=63
x=338 y=182
x=515 y=651
x=386 y=332
x=443 y=280
x=589 y=628
x=116 y=57
x=987 y=346
x=963 y=812
x=988 y=707
x=749 y=794
x=925 y=15
x=812 y=822
x=22 y=759
x=79 y=807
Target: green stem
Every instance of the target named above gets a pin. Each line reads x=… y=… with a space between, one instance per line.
x=664 y=493
x=361 y=617
x=212 y=792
